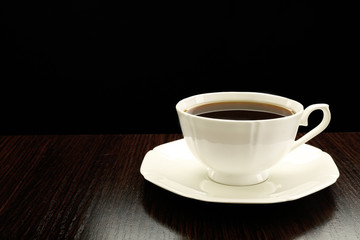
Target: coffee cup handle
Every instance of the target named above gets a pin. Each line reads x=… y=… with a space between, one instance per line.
x=318 y=129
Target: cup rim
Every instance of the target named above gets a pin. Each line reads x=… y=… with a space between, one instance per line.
x=181 y=111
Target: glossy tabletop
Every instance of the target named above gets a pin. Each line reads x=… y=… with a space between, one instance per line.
x=90 y=187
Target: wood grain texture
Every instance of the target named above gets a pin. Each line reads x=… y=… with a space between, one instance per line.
x=90 y=187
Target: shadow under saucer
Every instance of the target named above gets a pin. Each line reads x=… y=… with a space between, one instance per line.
x=195 y=219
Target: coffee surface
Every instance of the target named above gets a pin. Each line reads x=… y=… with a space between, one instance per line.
x=240 y=111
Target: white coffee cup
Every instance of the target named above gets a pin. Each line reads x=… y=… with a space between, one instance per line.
x=240 y=152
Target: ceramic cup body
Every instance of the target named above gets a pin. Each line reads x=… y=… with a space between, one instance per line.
x=239 y=152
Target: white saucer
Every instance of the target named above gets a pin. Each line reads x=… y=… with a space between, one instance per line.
x=302 y=172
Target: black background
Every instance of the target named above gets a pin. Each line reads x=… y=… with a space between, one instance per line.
x=110 y=67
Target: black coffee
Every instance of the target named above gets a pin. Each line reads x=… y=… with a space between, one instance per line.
x=240 y=111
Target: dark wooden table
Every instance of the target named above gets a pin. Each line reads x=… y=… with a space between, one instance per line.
x=90 y=187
